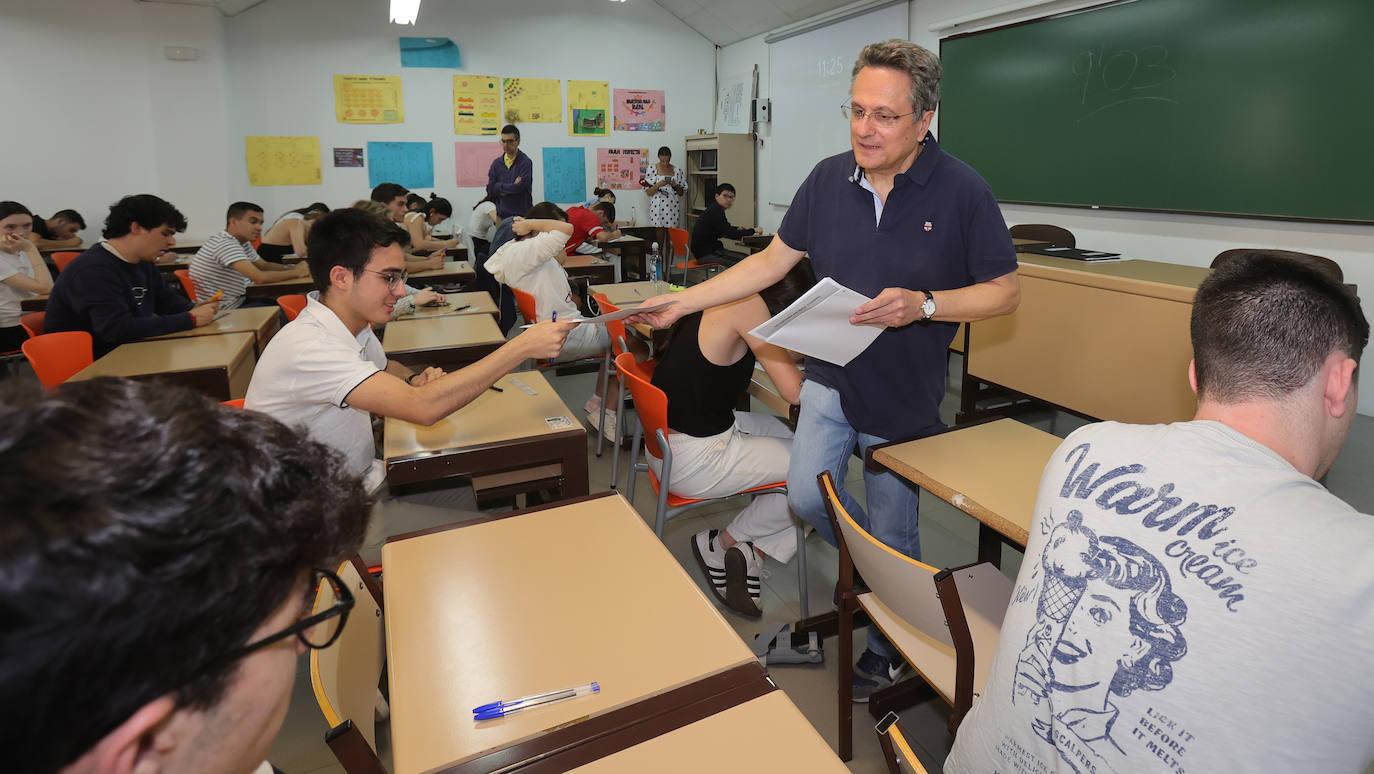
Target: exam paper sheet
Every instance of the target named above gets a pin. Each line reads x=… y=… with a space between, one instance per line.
x=817 y=324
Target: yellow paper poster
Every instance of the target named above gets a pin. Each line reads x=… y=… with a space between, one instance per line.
x=476 y=104
x=283 y=160
x=368 y=99
x=588 y=104
x=533 y=100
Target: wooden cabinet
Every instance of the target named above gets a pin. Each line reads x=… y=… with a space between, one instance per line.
x=713 y=159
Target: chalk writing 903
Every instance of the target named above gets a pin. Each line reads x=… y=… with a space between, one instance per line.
x=1125 y=75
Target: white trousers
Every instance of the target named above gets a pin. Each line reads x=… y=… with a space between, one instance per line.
x=755 y=451
x=584 y=341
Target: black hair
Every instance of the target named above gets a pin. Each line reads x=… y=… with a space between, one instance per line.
x=605 y=207
x=146 y=210
x=315 y=207
x=722 y=188
x=346 y=238
x=546 y=211
x=386 y=193
x=415 y=202
x=798 y=279
x=511 y=129
x=600 y=192
x=438 y=204
x=125 y=582
x=487 y=198
x=239 y=209
x=1263 y=324
x=71 y=216
x=664 y=150
x=13 y=208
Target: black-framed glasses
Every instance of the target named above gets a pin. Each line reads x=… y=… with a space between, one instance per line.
x=856 y=114
x=316 y=631
x=393 y=279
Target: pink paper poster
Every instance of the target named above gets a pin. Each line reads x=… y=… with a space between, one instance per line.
x=638 y=110
x=472 y=160
x=620 y=168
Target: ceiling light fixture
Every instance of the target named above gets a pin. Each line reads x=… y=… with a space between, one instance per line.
x=404 y=11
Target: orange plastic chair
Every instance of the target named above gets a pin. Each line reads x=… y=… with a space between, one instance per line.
x=33 y=323
x=56 y=357
x=184 y=277
x=526 y=304
x=680 y=259
x=63 y=258
x=616 y=329
x=235 y=403
x=291 y=304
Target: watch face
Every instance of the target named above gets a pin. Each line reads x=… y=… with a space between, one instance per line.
x=928 y=307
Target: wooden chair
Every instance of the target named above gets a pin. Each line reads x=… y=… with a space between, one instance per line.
x=680 y=259
x=60 y=260
x=945 y=623
x=345 y=674
x=901 y=759
x=56 y=357
x=33 y=323
x=1043 y=232
x=652 y=406
x=291 y=305
x=187 y=286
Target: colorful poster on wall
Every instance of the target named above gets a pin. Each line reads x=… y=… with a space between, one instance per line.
x=476 y=104
x=348 y=157
x=588 y=104
x=410 y=164
x=620 y=168
x=283 y=160
x=533 y=100
x=368 y=99
x=639 y=110
x=472 y=160
x=430 y=52
x=565 y=174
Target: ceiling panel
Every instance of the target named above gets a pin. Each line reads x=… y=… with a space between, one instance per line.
x=729 y=21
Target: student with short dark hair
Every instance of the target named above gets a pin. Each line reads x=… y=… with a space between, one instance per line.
x=114 y=291
x=393 y=195
x=160 y=553
x=713 y=225
x=228 y=262
x=594 y=226
x=510 y=179
x=59 y=230
x=22 y=272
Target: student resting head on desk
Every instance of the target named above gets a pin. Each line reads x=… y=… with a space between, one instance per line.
x=160 y=553
x=58 y=231
x=288 y=232
x=1192 y=598
x=419 y=224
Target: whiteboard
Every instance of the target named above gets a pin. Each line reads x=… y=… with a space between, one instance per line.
x=808 y=80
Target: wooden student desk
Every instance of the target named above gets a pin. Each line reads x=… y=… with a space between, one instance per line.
x=1107 y=340
x=477 y=302
x=634 y=251
x=261 y=321
x=453 y=272
x=449 y=342
x=629 y=293
x=526 y=603
x=990 y=471
x=500 y=439
x=590 y=267
x=219 y=366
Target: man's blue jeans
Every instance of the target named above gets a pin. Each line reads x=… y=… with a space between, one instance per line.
x=825 y=441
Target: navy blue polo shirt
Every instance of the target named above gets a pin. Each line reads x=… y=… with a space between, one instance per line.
x=940 y=229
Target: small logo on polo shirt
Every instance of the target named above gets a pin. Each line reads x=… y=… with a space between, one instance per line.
x=928 y=226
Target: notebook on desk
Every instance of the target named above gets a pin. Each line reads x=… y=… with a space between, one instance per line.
x=1073 y=253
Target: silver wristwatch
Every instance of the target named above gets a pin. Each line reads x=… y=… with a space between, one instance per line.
x=928 y=306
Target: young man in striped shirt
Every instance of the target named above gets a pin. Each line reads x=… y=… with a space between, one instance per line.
x=228 y=262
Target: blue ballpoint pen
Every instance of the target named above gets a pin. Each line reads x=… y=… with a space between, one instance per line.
x=499 y=709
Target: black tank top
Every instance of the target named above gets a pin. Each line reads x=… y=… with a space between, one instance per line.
x=701 y=395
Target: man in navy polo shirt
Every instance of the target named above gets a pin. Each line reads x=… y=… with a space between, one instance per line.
x=919 y=232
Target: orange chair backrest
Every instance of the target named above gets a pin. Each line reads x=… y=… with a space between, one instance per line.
x=235 y=403
x=292 y=304
x=33 y=323
x=184 y=277
x=526 y=304
x=616 y=328
x=56 y=357
x=678 y=237
x=650 y=401
x=64 y=258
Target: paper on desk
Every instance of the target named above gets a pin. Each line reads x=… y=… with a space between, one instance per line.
x=817 y=324
x=620 y=315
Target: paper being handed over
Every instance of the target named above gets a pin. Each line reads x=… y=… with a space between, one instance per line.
x=817 y=324
x=613 y=316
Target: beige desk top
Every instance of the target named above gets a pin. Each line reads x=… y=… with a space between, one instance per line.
x=583 y=261
x=989 y=471
x=480 y=303
x=458 y=268
x=629 y=293
x=451 y=332
x=1170 y=281
x=493 y=417
x=170 y=355
x=732 y=740
x=253 y=319
x=626 y=238
x=534 y=603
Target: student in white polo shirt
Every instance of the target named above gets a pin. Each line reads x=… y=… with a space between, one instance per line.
x=227 y=261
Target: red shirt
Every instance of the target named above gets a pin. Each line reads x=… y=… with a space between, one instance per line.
x=585 y=225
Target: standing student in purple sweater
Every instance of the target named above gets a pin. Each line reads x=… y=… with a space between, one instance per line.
x=511 y=177
x=114 y=290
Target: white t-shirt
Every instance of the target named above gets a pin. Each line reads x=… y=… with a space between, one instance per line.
x=11 y=297
x=212 y=269
x=531 y=265
x=1189 y=602
x=304 y=376
x=479 y=224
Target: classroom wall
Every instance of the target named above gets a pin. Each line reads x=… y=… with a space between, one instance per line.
x=284 y=53
x=1185 y=239
x=96 y=111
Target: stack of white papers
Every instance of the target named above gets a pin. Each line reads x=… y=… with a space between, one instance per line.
x=817 y=324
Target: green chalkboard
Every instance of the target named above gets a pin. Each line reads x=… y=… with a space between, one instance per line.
x=1246 y=107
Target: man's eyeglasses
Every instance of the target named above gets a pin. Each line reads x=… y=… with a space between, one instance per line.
x=393 y=279
x=886 y=120
x=317 y=631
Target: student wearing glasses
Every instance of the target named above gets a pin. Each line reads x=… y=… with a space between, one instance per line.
x=917 y=231
x=154 y=619
x=511 y=176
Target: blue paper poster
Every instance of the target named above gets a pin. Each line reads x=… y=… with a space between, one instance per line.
x=565 y=174
x=410 y=164
x=430 y=52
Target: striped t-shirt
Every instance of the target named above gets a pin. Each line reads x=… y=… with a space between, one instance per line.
x=211 y=269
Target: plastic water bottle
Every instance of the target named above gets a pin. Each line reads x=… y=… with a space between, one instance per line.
x=654 y=268
x=634 y=216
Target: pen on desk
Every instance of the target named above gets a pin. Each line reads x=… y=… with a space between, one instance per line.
x=494 y=387
x=461 y=308
x=498 y=709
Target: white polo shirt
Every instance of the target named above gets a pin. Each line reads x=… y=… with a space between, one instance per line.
x=305 y=375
